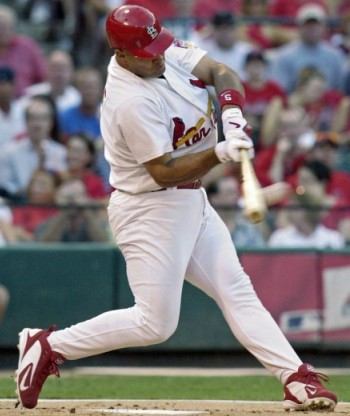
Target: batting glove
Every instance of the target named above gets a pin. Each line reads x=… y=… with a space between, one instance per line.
x=229 y=149
x=232 y=119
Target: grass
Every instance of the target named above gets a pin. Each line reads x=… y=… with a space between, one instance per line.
x=160 y=387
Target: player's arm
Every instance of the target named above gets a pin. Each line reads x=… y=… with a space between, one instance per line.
x=169 y=172
x=222 y=78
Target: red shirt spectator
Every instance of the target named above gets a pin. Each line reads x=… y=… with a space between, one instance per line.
x=282 y=159
x=326 y=108
x=264 y=160
x=326 y=150
x=30 y=217
x=40 y=194
x=94 y=185
x=258 y=98
x=20 y=53
x=259 y=91
x=258 y=29
x=81 y=153
x=319 y=181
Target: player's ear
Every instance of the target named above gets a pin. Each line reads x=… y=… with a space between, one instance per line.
x=120 y=53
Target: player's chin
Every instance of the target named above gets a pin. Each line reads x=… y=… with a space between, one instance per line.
x=159 y=70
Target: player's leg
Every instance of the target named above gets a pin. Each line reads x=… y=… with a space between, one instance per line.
x=156 y=234
x=215 y=268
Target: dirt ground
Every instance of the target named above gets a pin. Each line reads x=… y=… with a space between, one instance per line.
x=155 y=407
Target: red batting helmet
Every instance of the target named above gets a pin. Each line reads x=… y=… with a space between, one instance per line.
x=137 y=31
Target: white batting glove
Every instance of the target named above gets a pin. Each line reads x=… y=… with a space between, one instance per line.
x=229 y=149
x=232 y=119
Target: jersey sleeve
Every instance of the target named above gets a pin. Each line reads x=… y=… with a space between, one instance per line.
x=185 y=53
x=144 y=129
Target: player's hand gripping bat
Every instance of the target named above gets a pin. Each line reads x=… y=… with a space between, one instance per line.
x=255 y=206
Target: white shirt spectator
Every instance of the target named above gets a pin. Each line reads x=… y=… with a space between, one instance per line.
x=19 y=160
x=12 y=124
x=234 y=57
x=321 y=238
x=220 y=40
x=69 y=98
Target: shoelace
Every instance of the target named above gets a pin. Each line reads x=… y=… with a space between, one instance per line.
x=53 y=370
x=309 y=377
x=315 y=376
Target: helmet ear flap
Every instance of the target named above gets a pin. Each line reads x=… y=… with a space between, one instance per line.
x=136 y=30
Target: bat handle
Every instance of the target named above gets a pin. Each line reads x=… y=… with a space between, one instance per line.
x=255 y=206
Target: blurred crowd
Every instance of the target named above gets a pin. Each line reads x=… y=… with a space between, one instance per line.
x=293 y=58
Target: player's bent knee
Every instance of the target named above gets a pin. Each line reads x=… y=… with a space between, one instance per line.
x=159 y=334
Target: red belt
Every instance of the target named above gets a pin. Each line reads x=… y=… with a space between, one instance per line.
x=192 y=185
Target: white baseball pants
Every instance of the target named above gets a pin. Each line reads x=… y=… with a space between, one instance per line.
x=165 y=237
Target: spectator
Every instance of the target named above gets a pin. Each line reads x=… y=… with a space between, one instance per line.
x=204 y=10
x=220 y=40
x=341 y=36
x=77 y=221
x=256 y=26
x=4 y=301
x=10 y=233
x=58 y=84
x=20 y=53
x=310 y=50
x=288 y=11
x=224 y=195
x=54 y=21
x=12 y=120
x=281 y=160
x=314 y=177
x=39 y=202
x=81 y=154
x=184 y=23
x=85 y=118
x=305 y=229
x=38 y=149
x=259 y=91
x=328 y=109
x=326 y=150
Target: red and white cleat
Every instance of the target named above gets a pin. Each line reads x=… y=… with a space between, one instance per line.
x=36 y=362
x=304 y=391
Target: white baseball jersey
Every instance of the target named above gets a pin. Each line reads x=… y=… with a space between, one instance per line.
x=168 y=236
x=141 y=119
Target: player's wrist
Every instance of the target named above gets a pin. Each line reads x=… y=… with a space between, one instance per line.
x=231 y=97
x=231 y=112
x=232 y=119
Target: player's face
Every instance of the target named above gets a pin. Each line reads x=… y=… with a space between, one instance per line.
x=145 y=68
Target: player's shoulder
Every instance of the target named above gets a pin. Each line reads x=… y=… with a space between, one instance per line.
x=183 y=52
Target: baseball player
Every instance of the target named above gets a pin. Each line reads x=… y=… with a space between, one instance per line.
x=159 y=128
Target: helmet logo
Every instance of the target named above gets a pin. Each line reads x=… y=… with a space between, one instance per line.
x=152 y=31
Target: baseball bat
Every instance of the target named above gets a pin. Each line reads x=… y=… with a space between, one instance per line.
x=255 y=208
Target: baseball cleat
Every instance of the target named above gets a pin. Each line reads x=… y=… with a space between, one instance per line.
x=36 y=362
x=304 y=391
